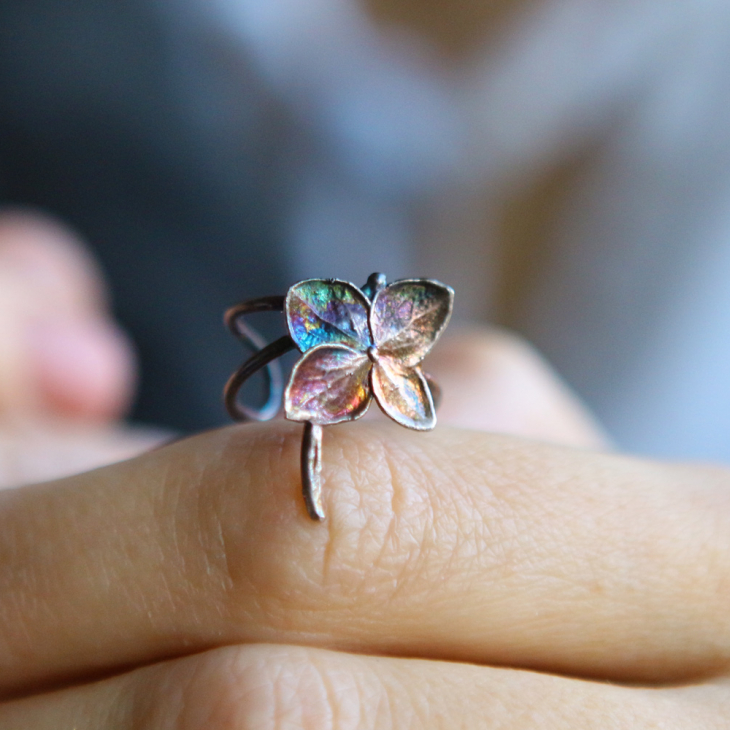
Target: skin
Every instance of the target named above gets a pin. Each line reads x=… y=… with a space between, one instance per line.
x=67 y=371
x=464 y=578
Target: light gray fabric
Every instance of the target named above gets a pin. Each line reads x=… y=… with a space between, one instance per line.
x=633 y=301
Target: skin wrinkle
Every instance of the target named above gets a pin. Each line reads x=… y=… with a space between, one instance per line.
x=384 y=715
x=456 y=695
x=390 y=541
x=376 y=701
x=290 y=713
x=534 y=551
x=397 y=500
x=174 y=699
x=168 y=510
x=218 y=692
x=217 y=551
x=370 y=698
x=344 y=480
x=176 y=506
x=20 y=641
x=313 y=699
x=548 y=521
x=311 y=600
x=217 y=683
x=214 y=552
x=411 y=513
x=32 y=597
x=544 y=574
x=430 y=569
x=462 y=503
x=276 y=679
x=363 y=566
x=368 y=526
x=336 y=697
x=228 y=685
x=372 y=577
x=155 y=607
x=247 y=693
x=424 y=712
x=235 y=461
x=290 y=575
x=409 y=573
x=259 y=681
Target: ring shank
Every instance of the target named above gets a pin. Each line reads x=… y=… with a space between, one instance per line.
x=265 y=357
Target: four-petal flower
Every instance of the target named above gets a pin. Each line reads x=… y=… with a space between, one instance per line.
x=355 y=349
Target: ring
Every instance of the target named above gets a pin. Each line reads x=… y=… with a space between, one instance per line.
x=356 y=345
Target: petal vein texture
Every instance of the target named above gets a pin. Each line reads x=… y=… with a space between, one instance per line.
x=408 y=317
x=403 y=394
x=329 y=385
x=327 y=312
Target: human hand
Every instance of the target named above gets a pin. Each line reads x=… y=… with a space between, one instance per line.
x=477 y=550
x=66 y=370
x=462 y=580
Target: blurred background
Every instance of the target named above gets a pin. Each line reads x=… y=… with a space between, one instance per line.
x=563 y=164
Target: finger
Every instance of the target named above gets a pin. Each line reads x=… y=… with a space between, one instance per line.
x=494 y=381
x=34 y=451
x=452 y=544
x=61 y=353
x=278 y=687
x=49 y=253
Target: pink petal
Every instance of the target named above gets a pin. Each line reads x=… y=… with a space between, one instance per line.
x=408 y=317
x=328 y=385
x=327 y=312
x=403 y=394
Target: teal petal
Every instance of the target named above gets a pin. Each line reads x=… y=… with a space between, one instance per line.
x=328 y=312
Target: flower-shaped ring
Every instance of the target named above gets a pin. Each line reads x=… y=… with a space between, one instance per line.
x=356 y=345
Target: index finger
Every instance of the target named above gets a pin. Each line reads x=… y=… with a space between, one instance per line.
x=452 y=544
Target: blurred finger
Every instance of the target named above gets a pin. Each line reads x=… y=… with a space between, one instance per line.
x=49 y=254
x=60 y=352
x=278 y=687
x=35 y=451
x=494 y=381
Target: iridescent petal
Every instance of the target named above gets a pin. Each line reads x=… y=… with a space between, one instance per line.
x=327 y=312
x=408 y=317
x=403 y=394
x=328 y=385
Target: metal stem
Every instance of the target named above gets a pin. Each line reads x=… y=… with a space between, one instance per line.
x=374 y=284
x=312 y=470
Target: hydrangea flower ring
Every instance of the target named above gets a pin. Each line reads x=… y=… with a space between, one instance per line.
x=357 y=345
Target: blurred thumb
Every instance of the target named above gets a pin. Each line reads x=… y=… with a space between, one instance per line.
x=494 y=381
x=60 y=351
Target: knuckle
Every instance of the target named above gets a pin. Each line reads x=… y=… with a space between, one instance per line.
x=383 y=533
x=374 y=530
x=277 y=687
x=402 y=514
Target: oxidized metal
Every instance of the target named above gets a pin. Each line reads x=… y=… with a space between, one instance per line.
x=357 y=344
